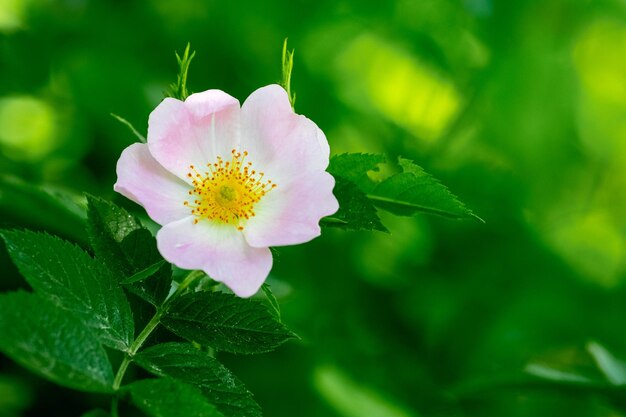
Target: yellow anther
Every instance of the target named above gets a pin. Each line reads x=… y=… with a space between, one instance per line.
x=228 y=191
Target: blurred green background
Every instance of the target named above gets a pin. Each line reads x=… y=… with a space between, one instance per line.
x=518 y=106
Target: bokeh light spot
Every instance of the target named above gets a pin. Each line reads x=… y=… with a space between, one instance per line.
x=11 y=14
x=398 y=86
x=27 y=127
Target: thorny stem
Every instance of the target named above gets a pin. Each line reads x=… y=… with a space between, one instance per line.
x=145 y=333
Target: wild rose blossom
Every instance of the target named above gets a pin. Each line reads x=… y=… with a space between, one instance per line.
x=226 y=182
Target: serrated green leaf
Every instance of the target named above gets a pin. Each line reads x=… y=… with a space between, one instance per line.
x=166 y=397
x=52 y=343
x=356 y=211
x=355 y=166
x=226 y=322
x=415 y=191
x=127 y=248
x=185 y=362
x=70 y=278
x=109 y=223
x=96 y=413
x=271 y=299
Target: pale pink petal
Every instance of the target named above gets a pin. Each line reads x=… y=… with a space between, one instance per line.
x=290 y=214
x=280 y=142
x=220 y=250
x=193 y=132
x=141 y=179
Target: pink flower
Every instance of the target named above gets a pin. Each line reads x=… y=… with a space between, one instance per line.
x=226 y=182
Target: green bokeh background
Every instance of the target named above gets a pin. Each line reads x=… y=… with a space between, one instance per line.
x=518 y=106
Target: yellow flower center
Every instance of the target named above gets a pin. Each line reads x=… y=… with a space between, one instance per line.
x=227 y=191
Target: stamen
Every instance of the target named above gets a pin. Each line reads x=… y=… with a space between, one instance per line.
x=228 y=191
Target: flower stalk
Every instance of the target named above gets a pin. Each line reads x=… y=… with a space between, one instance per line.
x=146 y=332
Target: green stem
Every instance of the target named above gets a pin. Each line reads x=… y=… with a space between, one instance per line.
x=146 y=332
x=139 y=341
x=117 y=382
x=189 y=279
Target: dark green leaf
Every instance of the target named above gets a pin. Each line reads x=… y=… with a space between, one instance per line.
x=271 y=299
x=110 y=224
x=73 y=280
x=24 y=203
x=356 y=211
x=52 y=343
x=166 y=397
x=415 y=191
x=187 y=363
x=144 y=273
x=355 y=166
x=226 y=322
x=140 y=249
x=120 y=240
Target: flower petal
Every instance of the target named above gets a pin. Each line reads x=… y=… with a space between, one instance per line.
x=193 y=132
x=279 y=141
x=290 y=214
x=220 y=250
x=141 y=179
